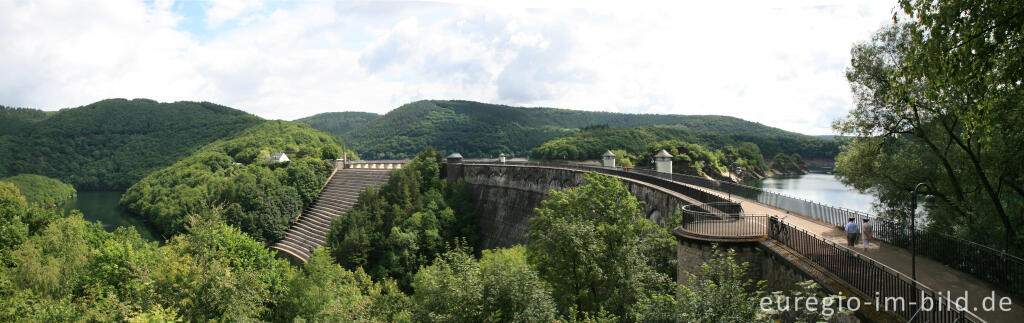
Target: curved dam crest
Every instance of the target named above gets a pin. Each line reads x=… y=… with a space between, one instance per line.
x=506 y=197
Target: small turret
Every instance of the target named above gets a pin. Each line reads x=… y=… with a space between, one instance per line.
x=454 y=158
x=608 y=159
x=663 y=162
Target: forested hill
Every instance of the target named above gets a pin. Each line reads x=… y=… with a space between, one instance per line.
x=339 y=123
x=590 y=143
x=111 y=144
x=485 y=130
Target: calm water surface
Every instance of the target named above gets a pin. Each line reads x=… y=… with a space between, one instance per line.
x=823 y=188
x=103 y=207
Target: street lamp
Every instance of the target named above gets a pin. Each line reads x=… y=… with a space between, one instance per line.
x=929 y=204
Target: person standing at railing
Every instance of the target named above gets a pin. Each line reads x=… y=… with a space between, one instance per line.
x=852 y=232
x=869 y=230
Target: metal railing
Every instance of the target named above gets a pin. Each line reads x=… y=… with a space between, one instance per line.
x=994 y=266
x=983 y=262
x=723 y=220
x=872 y=278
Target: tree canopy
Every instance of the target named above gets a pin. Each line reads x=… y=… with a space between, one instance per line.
x=111 y=144
x=65 y=269
x=339 y=123
x=410 y=220
x=42 y=190
x=477 y=129
x=259 y=198
x=55 y=268
x=939 y=100
x=591 y=142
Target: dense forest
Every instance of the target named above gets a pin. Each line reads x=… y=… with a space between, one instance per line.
x=260 y=198
x=42 y=190
x=485 y=130
x=591 y=142
x=393 y=231
x=339 y=123
x=60 y=269
x=699 y=154
x=111 y=144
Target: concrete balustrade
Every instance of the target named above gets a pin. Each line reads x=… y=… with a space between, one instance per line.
x=376 y=164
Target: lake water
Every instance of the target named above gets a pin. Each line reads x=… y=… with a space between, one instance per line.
x=818 y=187
x=103 y=207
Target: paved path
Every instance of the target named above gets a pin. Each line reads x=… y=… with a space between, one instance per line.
x=931 y=273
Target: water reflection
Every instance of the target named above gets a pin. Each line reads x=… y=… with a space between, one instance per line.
x=103 y=207
x=822 y=188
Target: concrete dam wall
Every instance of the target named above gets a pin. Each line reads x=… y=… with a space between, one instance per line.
x=506 y=197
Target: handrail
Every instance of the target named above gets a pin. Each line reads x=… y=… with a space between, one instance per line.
x=719 y=224
x=869 y=276
x=382 y=161
x=987 y=263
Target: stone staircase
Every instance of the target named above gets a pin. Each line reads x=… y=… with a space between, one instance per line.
x=340 y=193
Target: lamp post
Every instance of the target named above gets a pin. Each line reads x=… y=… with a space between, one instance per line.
x=929 y=203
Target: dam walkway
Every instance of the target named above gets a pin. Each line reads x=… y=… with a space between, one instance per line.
x=930 y=273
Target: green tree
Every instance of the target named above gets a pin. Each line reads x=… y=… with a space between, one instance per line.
x=501 y=286
x=262 y=200
x=939 y=101
x=41 y=190
x=623 y=158
x=394 y=231
x=325 y=292
x=591 y=244
x=720 y=291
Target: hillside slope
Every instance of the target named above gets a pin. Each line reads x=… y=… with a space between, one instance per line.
x=260 y=198
x=339 y=123
x=485 y=130
x=111 y=144
x=41 y=190
x=590 y=143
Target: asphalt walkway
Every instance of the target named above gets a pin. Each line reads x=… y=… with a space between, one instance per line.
x=933 y=274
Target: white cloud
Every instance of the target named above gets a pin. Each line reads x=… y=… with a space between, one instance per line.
x=778 y=63
x=223 y=11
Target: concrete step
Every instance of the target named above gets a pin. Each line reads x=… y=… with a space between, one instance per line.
x=336 y=198
x=317 y=220
x=299 y=232
x=312 y=229
x=290 y=249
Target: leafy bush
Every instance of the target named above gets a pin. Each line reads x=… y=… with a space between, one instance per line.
x=500 y=286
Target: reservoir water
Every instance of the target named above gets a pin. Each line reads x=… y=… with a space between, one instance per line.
x=103 y=207
x=818 y=187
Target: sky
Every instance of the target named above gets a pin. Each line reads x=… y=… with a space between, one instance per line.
x=780 y=63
